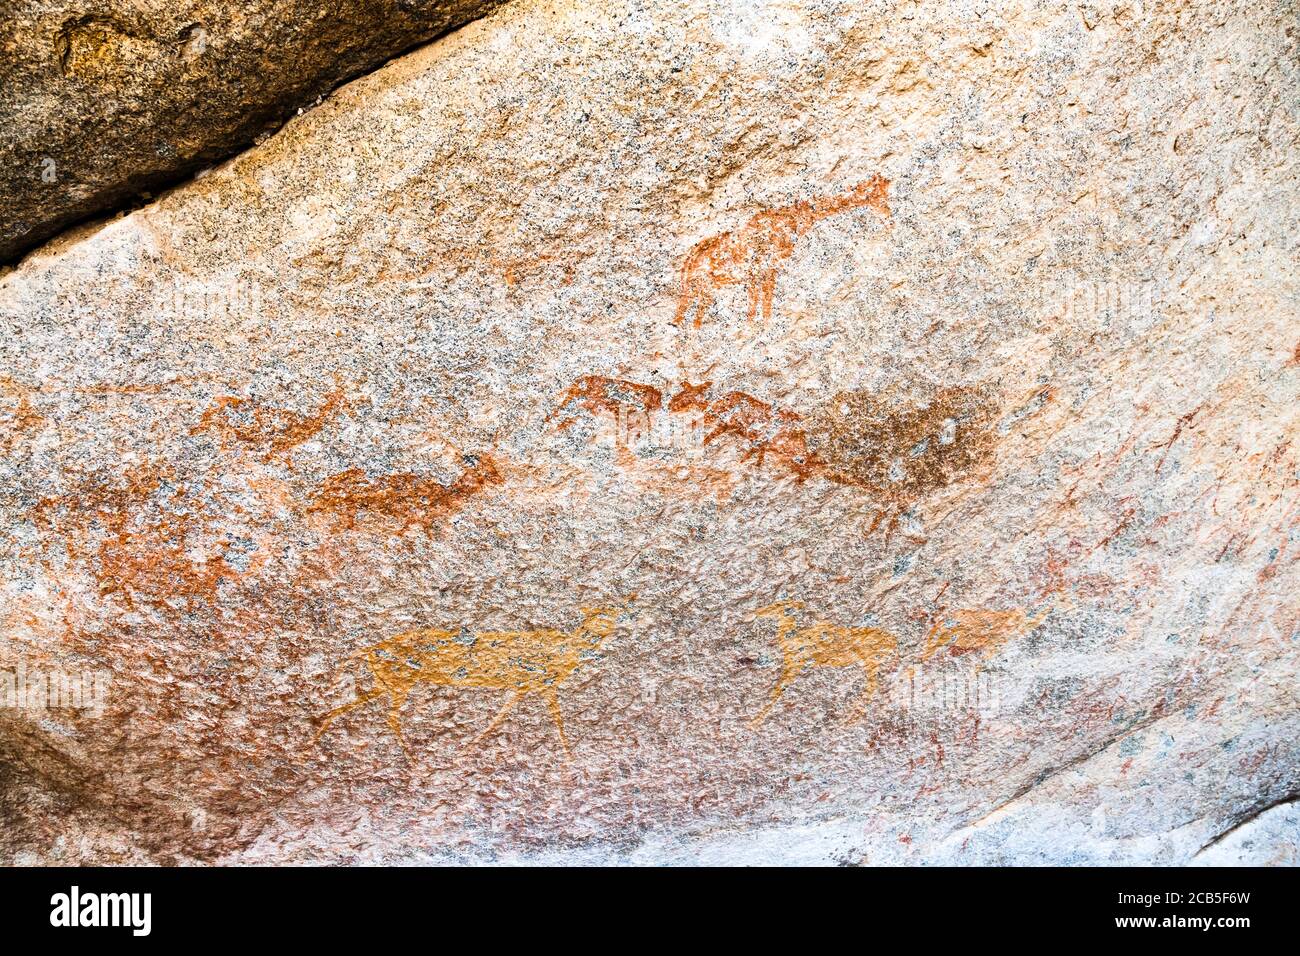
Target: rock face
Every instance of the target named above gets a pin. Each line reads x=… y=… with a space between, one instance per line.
x=683 y=431
x=104 y=99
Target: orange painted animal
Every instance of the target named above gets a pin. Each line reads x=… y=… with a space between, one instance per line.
x=825 y=645
x=277 y=430
x=981 y=632
x=600 y=394
x=520 y=662
x=412 y=500
x=753 y=254
x=144 y=537
x=768 y=431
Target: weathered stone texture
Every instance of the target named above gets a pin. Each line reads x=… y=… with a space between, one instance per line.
x=859 y=432
x=104 y=99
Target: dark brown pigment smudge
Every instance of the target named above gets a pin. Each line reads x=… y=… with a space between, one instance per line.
x=900 y=448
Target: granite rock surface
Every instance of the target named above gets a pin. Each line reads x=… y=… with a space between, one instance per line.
x=683 y=431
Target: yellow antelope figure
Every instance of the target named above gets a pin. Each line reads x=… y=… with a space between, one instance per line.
x=522 y=662
x=825 y=645
x=979 y=632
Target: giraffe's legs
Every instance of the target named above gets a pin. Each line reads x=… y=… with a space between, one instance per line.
x=499 y=718
x=553 y=702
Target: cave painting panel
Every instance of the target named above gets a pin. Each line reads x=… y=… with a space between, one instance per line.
x=142 y=535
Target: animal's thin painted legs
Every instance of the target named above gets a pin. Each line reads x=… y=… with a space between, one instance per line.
x=869 y=668
x=339 y=711
x=755 y=296
x=553 y=702
x=395 y=702
x=499 y=718
x=768 y=293
x=693 y=300
x=683 y=306
x=891 y=525
x=788 y=674
x=701 y=300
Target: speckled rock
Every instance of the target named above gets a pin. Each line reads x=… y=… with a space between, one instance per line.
x=684 y=432
x=105 y=99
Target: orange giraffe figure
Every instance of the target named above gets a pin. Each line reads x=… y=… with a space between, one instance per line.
x=754 y=253
x=521 y=662
x=825 y=645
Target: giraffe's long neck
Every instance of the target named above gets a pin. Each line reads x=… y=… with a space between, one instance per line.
x=870 y=193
